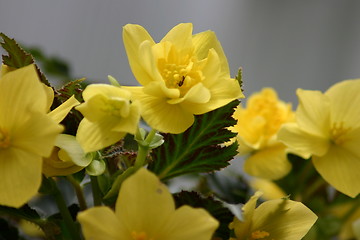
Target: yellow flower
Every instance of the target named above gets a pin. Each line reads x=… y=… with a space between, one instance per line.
x=27 y=134
x=182 y=75
x=145 y=210
x=257 y=127
x=108 y=116
x=328 y=129
x=279 y=219
x=66 y=158
x=269 y=189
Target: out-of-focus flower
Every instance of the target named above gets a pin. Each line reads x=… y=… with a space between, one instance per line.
x=279 y=219
x=27 y=134
x=328 y=129
x=257 y=127
x=269 y=189
x=182 y=75
x=66 y=158
x=108 y=116
x=145 y=209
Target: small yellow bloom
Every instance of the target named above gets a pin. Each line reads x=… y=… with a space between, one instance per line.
x=27 y=134
x=182 y=75
x=145 y=210
x=279 y=219
x=328 y=129
x=257 y=127
x=108 y=116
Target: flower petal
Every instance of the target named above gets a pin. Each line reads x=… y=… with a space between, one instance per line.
x=20 y=173
x=95 y=136
x=313 y=112
x=144 y=204
x=283 y=219
x=181 y=37
x=340 y=168
x=207 y=40
x=31 y=135
x=59 y=113
x=302 y=143
x=100 y=223
x=270 y=163
x=133 y=36
x=345 y=93
x=190 y=223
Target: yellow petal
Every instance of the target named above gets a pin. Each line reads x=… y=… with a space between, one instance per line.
x=190 y=223
x=20 y=173
x=95 y=136
x=148 y=63
x=21 y=90
x=345 y=93
x=101 y=223
x=197 y=94
x=270 y=163
x=144 y=204
x=207 y=40
x=129 y=124
x=106 y=90
x=181 y=37
x=59 y=113
x=242 y=227
x=302 y=143
x=340 y=168
x=269 y=189
x=133 y=36
x=313 y=112
x=35 y=133
x=283 y=219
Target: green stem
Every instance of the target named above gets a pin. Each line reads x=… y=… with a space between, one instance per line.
x=64 y=211
x=143 y=150
x=319 y=182
x=96 y=191
x=79 y=192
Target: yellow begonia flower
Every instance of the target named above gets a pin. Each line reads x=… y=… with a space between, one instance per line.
x=257 y=127
x=27 y=134
x=67 y=157
x=279 y=219
x=328 y=129
x=182 y=75
x=145 y=210
x=269 y=189
x=108 y=116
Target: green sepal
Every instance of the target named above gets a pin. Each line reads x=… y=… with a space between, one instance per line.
x=96 y=167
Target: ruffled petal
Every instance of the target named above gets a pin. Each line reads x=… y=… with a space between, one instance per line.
x=100 y=223
x=181 y=37
x=144 y=204
x=283 y=219
x=313 y=112
x=270 y=163
x=129 y=124
x=20 y=173
x=133 y=36
x=106 y=90
x=340 y=168
x=190 y=223
x=207 y=40
x=302 y=143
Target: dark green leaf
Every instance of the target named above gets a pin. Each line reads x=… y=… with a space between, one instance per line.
x=17 y=57
x=215 y=208
x=69 y=89
x=198 y=149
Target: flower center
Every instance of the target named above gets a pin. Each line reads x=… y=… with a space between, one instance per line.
x=179 y=76
x=338 y=133
x=117 y=107
x=140 y=236
x=4 y=139
x=259 y=235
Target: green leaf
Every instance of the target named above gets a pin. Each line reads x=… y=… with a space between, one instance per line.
x=71 y=88
x=238 y=77
x=214 y=207
x=17 y=57
x=198 y=149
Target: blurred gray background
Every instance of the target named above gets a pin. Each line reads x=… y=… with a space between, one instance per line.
x=281 y=44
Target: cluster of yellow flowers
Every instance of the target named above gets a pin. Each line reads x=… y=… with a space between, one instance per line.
x=181 y=76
